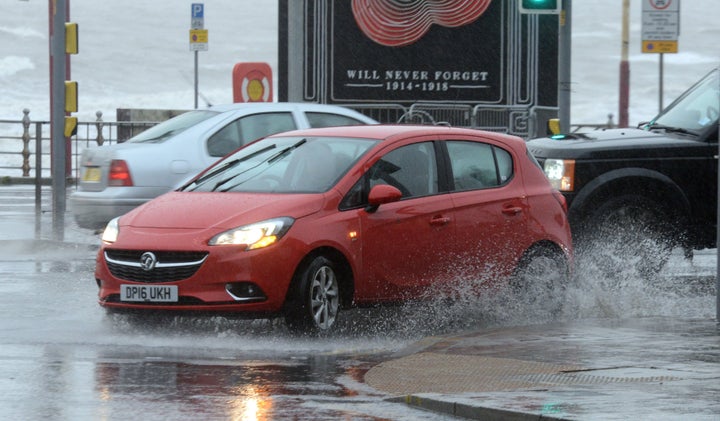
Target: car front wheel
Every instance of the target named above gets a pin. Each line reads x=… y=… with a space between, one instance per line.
x=314 y=303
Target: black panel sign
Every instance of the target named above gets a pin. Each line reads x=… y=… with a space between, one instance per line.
x=441 y=61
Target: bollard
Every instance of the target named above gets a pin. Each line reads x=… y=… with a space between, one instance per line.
x=99 y=126
x=610 y=124
x=26 y=143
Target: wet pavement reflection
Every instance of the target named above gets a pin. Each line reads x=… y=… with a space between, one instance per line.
x=62 y=357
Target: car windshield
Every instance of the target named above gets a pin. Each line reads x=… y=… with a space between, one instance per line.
x=175 y=125
x=693 y=111
x=284 y=165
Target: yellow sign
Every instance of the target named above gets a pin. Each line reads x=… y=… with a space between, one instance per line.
x=660 y=47
x=198 y=36
x=198 y=40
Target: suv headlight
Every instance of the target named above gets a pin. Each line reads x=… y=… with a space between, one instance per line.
x=561 y=173
x=254 y=236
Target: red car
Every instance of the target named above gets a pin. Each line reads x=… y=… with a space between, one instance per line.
x=304 y=223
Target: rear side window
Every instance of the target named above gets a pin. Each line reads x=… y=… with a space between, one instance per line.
x=478 y=165
x=330 y=120
x=246 y=129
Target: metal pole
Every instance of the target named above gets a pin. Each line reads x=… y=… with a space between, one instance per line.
x=38 y=180
x=564 y=59
x=624 y=67
x=660 y=84
x=58 y=9
x=196 y=79
x=717 y=242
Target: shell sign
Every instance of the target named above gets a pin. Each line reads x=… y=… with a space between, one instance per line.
x=252 y=82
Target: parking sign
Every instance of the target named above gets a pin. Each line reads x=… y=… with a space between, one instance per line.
x=197 y=16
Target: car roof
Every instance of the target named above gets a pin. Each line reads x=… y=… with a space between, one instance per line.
x=275 y=106
x=387 y=131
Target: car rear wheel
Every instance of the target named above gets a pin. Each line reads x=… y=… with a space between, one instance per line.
x=314 y=303
x=627 y=236
x=541 y=279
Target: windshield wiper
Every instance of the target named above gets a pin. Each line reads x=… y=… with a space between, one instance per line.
x=285 y=151
x=228 y=165
x=653 y=126
x=276 y=157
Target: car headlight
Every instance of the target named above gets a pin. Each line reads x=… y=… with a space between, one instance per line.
x=561 y=173
x=254 y=236
x=112 y=229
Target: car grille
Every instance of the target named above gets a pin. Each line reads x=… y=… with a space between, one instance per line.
x=169 y=266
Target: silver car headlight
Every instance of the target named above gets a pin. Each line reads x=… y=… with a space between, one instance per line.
x=561 y=173
x=254 y=236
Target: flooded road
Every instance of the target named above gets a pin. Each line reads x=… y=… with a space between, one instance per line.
x=62 y=357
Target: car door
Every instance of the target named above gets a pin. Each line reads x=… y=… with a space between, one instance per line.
x=403 y=242
x=490 y=209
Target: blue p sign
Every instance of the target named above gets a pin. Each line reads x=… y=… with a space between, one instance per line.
x=197 y=10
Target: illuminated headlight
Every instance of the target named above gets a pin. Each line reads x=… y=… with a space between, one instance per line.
x=561 y=173
x=111 y=232
x=254 y=236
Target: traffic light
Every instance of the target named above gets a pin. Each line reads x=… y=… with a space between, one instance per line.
x=547 y=7
x=70 y=126
x=71 y=87
x=71 y=96
x=71 y=38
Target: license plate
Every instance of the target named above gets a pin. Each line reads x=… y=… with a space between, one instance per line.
x=91 y=174
x=149 y=293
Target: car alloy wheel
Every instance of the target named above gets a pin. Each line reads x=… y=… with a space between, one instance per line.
x=315 y=303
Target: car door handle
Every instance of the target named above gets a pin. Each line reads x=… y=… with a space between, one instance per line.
x=439 y=221
x=511 y=210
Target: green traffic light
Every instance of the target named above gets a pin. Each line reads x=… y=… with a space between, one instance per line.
x=539 y=4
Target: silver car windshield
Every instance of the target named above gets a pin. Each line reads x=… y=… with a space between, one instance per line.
x=175 y=125
x=693 y=111
x=284 y=165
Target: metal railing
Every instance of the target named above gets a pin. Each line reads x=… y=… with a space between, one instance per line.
x=27 y=156
x=25 y=144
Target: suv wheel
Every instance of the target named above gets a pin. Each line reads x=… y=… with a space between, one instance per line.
x=627 y=235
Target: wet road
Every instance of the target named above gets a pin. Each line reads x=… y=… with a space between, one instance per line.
x=62 y=357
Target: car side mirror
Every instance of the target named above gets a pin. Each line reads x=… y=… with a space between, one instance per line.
x=381 y=194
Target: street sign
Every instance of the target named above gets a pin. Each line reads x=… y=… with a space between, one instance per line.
x=198 y=40
x=660 y=26
x=197 y=16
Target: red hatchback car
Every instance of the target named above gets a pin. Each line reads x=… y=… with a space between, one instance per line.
x=304 y=223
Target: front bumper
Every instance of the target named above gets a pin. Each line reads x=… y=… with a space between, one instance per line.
x=229 y=280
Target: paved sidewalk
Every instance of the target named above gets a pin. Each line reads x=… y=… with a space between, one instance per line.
x=649 y=369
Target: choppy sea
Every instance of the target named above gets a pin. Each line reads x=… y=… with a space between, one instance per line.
x=135 y=54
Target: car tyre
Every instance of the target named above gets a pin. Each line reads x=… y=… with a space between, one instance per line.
x=314 y=303
x=541 y=279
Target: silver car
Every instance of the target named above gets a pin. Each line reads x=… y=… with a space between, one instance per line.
x=116 y=179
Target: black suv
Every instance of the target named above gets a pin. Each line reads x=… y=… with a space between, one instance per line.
x=637 y=193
